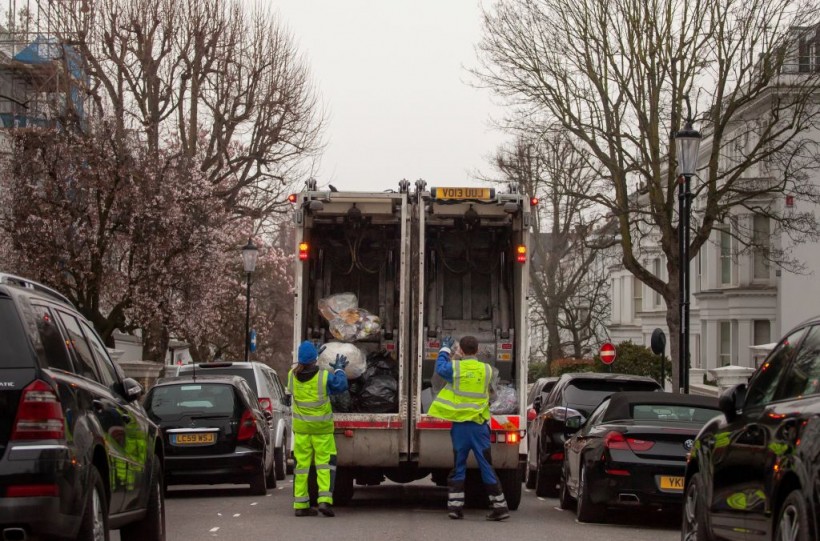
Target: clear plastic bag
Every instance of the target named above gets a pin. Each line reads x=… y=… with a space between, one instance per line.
x=506 y=400
x=331 y=307
x=346 y=321
x=356 y=359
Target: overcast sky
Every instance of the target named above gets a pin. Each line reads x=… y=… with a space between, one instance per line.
x=392 y=76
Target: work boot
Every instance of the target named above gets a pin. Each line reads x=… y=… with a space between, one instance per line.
x=498 y=514
x=455 y=499
x=305 y=512
x=456 y=514
x=326 y=509
x=500 y=510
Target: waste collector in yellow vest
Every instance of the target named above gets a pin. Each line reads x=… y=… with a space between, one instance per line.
x=465 y=401
x=313 y=441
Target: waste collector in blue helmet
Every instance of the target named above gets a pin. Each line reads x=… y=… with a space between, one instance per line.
x=313 y=441
x=465 y=401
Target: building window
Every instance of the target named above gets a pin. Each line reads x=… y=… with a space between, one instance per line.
x=726 y=266
x=762 y=332
x=725 y=340
x=760 y=239
x=637 y=297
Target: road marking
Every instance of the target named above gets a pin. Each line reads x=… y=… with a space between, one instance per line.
x=214 y=530
x=254 y=503
x=235 y=515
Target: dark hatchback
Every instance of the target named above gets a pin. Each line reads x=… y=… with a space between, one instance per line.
x=631 y=452
x=78 y=454
x=574 y=394
x=754 y=472
x=214 y=431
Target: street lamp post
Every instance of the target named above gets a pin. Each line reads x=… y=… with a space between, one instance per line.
x=688 y=141
x=249 y=255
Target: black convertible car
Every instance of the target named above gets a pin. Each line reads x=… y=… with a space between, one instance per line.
x=632 y=452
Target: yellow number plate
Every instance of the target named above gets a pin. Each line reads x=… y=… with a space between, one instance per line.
x=195 y=439
x=464 y=193
x=671 y=483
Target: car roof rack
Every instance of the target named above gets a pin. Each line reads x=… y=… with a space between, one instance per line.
x=19 y=281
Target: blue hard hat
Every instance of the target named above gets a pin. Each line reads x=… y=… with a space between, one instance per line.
x=307 y=352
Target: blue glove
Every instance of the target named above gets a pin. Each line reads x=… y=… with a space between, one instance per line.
x=447 y=342
x=339 y=363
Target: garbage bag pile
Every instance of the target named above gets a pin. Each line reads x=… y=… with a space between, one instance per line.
x=346 y=321
x=375 y=391
x=506 y=400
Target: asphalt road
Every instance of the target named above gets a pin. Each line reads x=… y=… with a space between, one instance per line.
x=389 y=512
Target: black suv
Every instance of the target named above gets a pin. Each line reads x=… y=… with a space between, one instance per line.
x=78 y=454
x=754 y=472
x=575 y=394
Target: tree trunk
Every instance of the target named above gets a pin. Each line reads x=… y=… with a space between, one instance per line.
x=554 y=350
x=155 y=340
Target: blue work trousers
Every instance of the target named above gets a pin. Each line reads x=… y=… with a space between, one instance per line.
x=469 y=436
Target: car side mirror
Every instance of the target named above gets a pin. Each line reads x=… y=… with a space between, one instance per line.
x=536 y=403
x=287 y=400
x=132 y=389
x=732 y=400
x=573 y=423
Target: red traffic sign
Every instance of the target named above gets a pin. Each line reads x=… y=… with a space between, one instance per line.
x=607 y=353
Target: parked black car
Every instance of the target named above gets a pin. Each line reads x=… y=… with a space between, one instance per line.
x=540 y=390
x=631 y=452
x=574 y=394
x=265 y=383
x=214 y=431
x=753 y=473
x=78 y=454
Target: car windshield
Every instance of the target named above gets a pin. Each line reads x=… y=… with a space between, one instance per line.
x=170 y=402
x=245 y=373
x=585 y=395
x=672 y=413
x=14 y=349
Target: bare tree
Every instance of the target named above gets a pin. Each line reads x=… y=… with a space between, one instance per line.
x=549 y=168
x=616 y=75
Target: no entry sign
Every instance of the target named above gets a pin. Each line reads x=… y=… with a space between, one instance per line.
x=607 y=353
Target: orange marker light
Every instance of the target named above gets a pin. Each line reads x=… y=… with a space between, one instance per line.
x=512 y=437
x=292 y=198
x=521 y=252
x=303 y=251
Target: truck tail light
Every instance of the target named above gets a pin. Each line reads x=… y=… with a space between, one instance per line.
x=521 y=254
x=39 y=414
x=303 y=251
x=292 y=198
x=533 y=201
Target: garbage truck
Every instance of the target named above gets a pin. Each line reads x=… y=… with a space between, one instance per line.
x=423 y=264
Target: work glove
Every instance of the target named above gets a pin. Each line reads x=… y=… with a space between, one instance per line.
x=447 y=342
x=339 y=363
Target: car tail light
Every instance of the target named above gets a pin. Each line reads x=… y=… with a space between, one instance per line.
x=616 y=440
x=266 y=405
x=39 y=415
x=247 y=426
x=32 y=491
x=531 y=414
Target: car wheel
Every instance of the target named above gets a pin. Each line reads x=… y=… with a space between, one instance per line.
x=565 y=501
x=694 y=525
x=94 y=524
x=793 y=522
x=258 y=481
x=545 y=483
x=270 y=476
x=279 y=462
x=587 y=511
x=152 y=526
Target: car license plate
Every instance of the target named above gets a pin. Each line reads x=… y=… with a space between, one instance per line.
x=208 y=438
x=671 y=483
x=464 y=193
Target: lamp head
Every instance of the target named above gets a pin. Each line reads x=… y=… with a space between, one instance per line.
x=688 y=141
x=249 y=256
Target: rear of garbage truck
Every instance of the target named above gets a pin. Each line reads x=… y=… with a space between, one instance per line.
x=471 y=265
x=354 y=247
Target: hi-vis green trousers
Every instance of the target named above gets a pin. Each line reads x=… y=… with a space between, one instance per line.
x=320 y=450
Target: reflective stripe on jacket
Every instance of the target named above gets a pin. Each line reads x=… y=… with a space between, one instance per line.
x=468 y=397
x=312 y=412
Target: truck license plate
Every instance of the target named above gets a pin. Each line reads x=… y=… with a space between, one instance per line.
x=194 y=439
x=671 y=483
x=464 y=193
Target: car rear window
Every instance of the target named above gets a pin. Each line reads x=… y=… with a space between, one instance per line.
x=585 y=395
x=244 y=373
x=186 y=399
x=14 y=347
x=672 y=413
